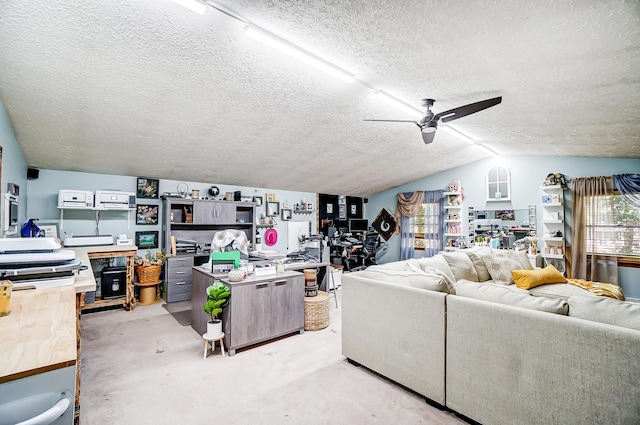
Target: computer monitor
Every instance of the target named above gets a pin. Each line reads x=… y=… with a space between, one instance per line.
x=358 y=225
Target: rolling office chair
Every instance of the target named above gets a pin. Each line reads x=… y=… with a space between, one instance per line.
x=370 y=249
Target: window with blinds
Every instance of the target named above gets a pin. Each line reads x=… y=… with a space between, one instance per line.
x=615 y=229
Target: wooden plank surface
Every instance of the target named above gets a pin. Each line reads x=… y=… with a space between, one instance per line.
x=40 y=333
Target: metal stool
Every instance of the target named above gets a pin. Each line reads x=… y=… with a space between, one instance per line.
x=331 y=285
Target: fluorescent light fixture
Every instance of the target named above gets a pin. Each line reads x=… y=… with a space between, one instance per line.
x=460 y=135
x=399 y=104
x=487 y=150
x=192 y=5
x=299 y=54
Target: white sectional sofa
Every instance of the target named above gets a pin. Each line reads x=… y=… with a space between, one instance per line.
x=490 y=351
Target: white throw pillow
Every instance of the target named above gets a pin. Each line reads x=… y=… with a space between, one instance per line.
x=461 y=265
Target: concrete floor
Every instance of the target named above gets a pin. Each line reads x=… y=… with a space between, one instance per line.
x=143 y=367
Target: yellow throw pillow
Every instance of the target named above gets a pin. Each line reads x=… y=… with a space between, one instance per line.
x=527 y=279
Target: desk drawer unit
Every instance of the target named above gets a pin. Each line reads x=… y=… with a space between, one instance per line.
x=178 y=278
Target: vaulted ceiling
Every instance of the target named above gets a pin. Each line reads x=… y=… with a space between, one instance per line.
x=149 y=88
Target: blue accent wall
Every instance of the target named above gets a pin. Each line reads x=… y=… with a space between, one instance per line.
x=527 y=175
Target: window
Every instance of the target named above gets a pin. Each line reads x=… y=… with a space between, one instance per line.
x=427 y=227
x=614 y=234
x=498 y=184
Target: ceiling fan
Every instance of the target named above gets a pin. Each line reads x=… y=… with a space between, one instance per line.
x=429 y=123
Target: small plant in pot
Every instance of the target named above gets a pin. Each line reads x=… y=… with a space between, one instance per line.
x=217 y=299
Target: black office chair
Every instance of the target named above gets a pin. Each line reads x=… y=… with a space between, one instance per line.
x=370 y=248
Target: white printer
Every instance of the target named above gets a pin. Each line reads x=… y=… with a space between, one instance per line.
x=115 y=200
x=75 y=198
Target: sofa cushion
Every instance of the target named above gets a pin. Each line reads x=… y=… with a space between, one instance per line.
x=461 y=265
x=411 y=278
x=479 y=265
x=436 y=262
x=605 y=310
x=500 y=265
x=560 y=289
x=526 y=279
x=510 y=295
x=432 y=271
x=393 y=265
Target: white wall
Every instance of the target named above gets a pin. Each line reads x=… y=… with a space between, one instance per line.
x=14 y=167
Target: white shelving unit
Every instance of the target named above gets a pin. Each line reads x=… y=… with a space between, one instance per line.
x=453 y=223
x=554 y=249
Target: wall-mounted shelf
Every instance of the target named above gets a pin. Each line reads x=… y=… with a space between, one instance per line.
x=98 y=212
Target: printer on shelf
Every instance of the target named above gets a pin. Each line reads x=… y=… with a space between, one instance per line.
x=115 y=200
x=68 y=198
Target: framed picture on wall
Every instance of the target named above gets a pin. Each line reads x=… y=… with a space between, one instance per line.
x=273 y=209
x=285 y=214
x=147 y=240
x=505 y=215
x=257 y=200
x=146 y=214
x=147 y=188
x=48 y=230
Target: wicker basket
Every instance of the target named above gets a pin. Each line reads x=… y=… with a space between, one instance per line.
x=148 y=274
x=316 y=312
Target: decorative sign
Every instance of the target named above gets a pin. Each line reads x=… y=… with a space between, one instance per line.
x=384 y=224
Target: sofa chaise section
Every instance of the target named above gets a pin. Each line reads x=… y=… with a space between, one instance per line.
x=510 y=365
x=397 y=331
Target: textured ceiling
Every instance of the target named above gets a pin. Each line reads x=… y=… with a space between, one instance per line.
x=148 y=88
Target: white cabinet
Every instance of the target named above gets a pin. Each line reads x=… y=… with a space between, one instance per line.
x=553 y=232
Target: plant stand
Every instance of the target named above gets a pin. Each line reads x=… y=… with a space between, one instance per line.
x=212 y=340
x=148 y=292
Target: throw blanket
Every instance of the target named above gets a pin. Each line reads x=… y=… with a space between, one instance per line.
x=599 y=288
x=237 y=238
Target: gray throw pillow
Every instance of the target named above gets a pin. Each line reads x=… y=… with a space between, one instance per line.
x=500 y=265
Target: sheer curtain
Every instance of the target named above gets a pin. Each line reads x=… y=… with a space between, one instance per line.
x=408 y=206
x=592 y=207
x=432 y=228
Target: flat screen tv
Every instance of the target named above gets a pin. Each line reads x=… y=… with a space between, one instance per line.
x=358 y=225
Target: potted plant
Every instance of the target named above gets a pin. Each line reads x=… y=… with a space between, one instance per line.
x=149 y=267
x=217 y=299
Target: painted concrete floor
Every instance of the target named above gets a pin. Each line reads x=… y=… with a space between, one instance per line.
x=144 y=367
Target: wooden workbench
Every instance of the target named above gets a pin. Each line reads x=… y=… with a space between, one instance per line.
x=86 y=282
x=40 y=333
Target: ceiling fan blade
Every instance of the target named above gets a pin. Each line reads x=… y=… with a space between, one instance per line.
x=413 y=121
x=463 y=111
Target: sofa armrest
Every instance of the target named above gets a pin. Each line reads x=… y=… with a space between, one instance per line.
x=509 y=365
x=397 y=331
